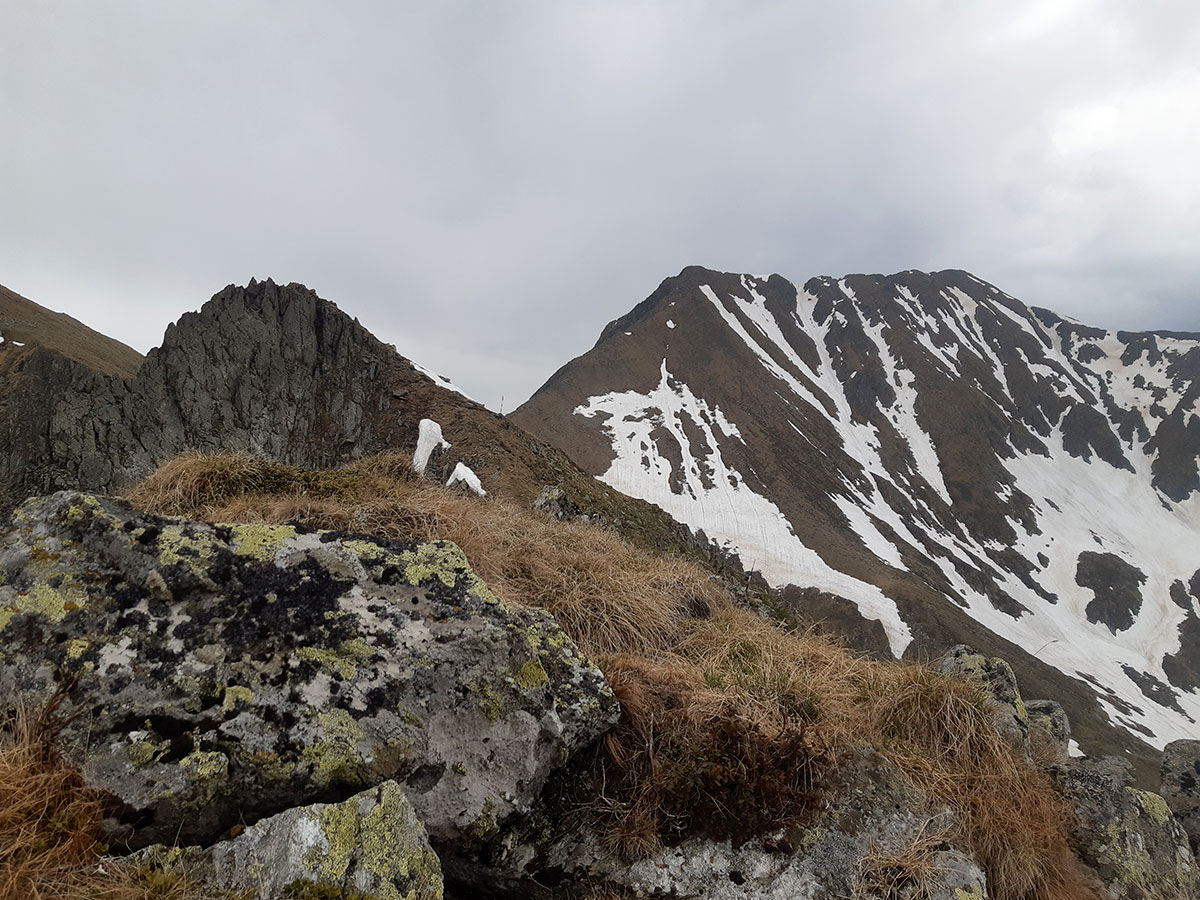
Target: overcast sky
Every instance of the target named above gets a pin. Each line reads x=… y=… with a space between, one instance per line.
x=487 y=184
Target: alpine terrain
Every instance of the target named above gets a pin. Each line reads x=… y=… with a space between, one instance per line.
x=933 y=450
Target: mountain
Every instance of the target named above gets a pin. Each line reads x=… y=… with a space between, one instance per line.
x=274 y=371
x=963 y=467
x=24 y=323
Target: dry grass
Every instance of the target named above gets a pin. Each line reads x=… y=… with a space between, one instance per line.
x=610 y=596
x=50 y=846
x=731 y=725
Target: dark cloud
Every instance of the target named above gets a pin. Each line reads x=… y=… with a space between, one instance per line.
x=486 y=185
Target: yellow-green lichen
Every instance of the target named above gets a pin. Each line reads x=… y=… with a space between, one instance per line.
x=42 y=599
x=393 y=844
x=76 y=648
x=335 y=759
x=235 y=694
x=261 y=541
x=344 y=659
x=1154 y=806
x=532 y=676
x=491 y=704
x=143 y=753
x=339 y=824
x=975 y=893
x=484 y=827
x=205 y=766
x=193 y=551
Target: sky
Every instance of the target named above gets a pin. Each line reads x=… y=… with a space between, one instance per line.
x=487 y=184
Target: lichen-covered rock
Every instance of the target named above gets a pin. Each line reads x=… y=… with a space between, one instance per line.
x=1181 y=786
x=1004 y=696
x=878 y=827
x=225 y=673
x=1049 y=727
x=1138 y=849
x=370 y=846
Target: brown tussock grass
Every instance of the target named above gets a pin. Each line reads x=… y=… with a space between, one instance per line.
x=608 y=595
x=50 y=846
x=731 y=724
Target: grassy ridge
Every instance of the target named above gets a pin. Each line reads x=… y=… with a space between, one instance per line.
x=731 y=724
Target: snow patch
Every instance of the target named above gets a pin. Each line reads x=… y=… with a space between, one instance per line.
x=440 y=380
x=429 y=438
x=463 y=473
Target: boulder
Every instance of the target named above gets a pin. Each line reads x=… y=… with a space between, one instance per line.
x=1009 y=714
x=1181 y=786
x=1049 y=728
x=221 y=674
x=1129 y=837
x=371 y=845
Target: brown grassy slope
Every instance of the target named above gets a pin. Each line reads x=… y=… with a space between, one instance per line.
x=770 y=711
x=25 y=321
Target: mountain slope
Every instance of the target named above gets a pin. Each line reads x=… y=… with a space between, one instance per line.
x=278 y=372
x=23 y=322
x=951 y=460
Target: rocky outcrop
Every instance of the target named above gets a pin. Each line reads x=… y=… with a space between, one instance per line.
x=371 y=845
x=1181 y=786
x=878 y=835
x=1129 y=837
x=1009 y=713
x=222 y=674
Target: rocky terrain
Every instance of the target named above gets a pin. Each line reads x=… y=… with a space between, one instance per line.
x=298 y=689
x=963 y=467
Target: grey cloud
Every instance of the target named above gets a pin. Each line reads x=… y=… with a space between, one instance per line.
x=486 y=185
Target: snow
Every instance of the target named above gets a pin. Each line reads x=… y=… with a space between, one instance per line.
x=729 y=511
x=440 y=380
x=1073 y=749
x=462 y=473
x=429 y=437
x=670 y=324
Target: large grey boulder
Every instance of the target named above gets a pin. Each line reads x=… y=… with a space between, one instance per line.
x=1129 y=837
x=220 y=674
x=371 y=845
x=1181 y=786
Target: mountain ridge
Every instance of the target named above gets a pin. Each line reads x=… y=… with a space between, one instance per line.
x=869 y=410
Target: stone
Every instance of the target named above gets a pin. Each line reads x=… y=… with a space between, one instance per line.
x=1049 y=728
x=875 y=816
x=371 y=845
x=1009 y=713
x=221 y=674
x=1181 y=786
x=1128 y=836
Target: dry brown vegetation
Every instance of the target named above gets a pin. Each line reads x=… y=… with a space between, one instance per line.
x=50 y=847
x=731 y=724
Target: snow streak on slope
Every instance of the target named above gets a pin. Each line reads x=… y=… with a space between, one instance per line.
x=714 y=496
x=1038 y=512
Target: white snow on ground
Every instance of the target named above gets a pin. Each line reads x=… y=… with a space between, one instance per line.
x=429 y=437
x=670 y=324
x=1078 y=505
x=729 y=511
x=1073 y=748
x=463 y=473
x=440 y=380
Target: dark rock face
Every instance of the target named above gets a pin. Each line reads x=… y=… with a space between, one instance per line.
x=224 y=673
x=1117 y=587
x=1181 y=786
x=951 y=461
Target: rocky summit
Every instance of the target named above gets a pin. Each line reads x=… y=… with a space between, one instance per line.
x=959 y=465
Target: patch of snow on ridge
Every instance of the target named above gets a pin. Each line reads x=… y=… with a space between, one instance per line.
x=715 y=496
x=429 y=438
x=463 y=473
x=440 y=380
